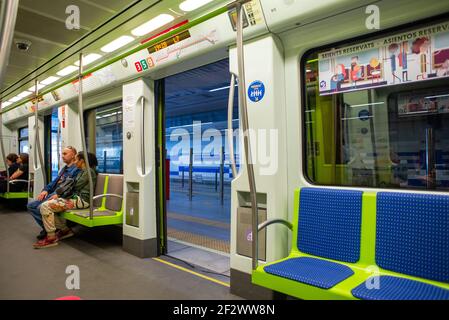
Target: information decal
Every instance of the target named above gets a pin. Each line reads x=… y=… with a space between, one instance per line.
x=129 y=119
x=256 y=91
x=413 y=56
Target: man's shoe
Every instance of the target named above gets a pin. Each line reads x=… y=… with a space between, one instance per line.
x=42 y=235
x=46 y=243
x=64 y=234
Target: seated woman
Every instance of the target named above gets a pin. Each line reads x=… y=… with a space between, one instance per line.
x=11 y=161
x=21 y=174
x=55 y=204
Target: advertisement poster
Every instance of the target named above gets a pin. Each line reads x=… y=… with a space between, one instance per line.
x=417 y=55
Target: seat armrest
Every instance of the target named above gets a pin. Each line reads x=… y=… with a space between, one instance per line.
x=107 y=195
x=266 y=223
x=17 y=180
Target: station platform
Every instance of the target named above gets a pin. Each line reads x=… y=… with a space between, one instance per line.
x=203 y=222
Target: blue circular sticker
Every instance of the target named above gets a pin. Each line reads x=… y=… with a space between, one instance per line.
x=256 y=91
x=364 y=115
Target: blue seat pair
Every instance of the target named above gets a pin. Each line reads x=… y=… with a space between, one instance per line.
x=410 y=245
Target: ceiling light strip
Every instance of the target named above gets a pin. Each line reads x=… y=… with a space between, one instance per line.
x=184 y=27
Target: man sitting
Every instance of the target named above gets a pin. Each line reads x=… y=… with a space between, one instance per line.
x=69 y=170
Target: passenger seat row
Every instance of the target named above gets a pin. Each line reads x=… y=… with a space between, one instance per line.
x=355 y=245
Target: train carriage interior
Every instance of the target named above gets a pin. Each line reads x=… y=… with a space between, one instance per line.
x=224 y=149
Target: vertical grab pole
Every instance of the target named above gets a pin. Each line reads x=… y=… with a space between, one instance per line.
x=430 y=159
x=246 y=135
x=230 y=128
x=191 y=175
x=37 y=147
x=142 y=136
x=2 y=148
x=58 y=142
x=8 y=15
x=222 y=156
x=83 y=136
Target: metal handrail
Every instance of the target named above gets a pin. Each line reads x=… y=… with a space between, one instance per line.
x=267 y=223
x=8 y=15
x=230 y=128
x=83 y=135
x=246 y=136
x=7 y=24
x=2 y=148
x=18 y=180
x=142 y=136
x=37 y=144
x=107 y=195
x=58 y=147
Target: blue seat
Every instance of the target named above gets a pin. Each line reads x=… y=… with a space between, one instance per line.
x=329 y=226
x=412 y=238
x=316 y=272
x=395 y=288
x=412 y=234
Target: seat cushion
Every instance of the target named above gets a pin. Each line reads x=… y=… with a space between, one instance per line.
x=329 y=223
x=97 y=213
x=394 y=288
x=316 y=272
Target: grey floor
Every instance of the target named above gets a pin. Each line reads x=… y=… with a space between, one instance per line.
x=106 y=271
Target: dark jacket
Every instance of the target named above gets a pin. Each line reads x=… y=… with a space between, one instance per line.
x=13 y=168
x=67 y=171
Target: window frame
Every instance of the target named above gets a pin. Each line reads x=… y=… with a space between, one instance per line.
x=303 y=91
x=21 y=138
x=93 y=113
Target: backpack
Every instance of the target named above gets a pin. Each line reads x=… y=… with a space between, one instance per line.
x=66 y=188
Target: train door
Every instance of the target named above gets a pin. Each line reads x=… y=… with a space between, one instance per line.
x=197 y=173
x=52 y=144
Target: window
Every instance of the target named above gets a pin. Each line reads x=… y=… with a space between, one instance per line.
x=23 y=140
x=109 y=138
x=377 y=113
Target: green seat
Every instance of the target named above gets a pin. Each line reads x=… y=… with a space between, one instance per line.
x=108 y=204
x=16 y=194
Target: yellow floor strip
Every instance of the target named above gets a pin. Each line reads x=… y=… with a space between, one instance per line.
x=192 y=272
x=200 y=240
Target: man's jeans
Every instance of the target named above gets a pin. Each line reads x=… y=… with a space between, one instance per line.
x=34 y=208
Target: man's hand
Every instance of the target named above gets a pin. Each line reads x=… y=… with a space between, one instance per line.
x=53 y=197
x=42 y=195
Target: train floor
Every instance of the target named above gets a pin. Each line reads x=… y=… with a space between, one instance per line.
x=105 y=270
